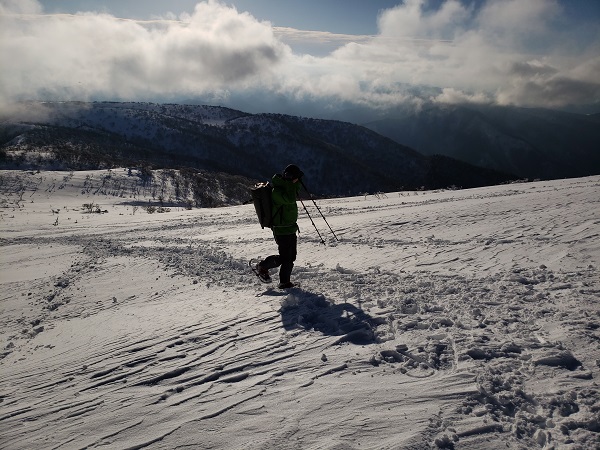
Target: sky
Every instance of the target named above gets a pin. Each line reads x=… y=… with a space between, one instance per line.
x=272 y=56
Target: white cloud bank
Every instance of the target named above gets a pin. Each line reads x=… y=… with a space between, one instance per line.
x=504 y=52
x=91 y=54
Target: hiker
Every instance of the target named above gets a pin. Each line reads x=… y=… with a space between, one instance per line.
x=285 y=214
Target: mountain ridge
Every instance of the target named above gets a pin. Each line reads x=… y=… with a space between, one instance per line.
x=528 y=142
x=338 y=158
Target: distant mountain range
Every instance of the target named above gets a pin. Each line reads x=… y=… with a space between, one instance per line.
x=531 y=143
x=339 y=158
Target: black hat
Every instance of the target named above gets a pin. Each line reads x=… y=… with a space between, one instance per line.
x=292 y=172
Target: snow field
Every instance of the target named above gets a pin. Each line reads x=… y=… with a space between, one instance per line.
x=451 y=319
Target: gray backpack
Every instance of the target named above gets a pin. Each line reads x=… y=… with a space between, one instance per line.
x=263 y=203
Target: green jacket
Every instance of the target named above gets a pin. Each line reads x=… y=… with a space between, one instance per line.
x=285 y=209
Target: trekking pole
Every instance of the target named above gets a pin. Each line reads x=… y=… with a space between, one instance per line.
x=313 y=222
x=318 y=209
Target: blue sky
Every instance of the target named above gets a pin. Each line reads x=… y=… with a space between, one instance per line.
x=331 y=53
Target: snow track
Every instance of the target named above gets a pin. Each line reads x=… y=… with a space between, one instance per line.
x=452 y=319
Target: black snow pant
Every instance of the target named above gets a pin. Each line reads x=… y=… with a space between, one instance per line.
x=285 y=260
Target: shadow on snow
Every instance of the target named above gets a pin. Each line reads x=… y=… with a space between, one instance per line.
x=301 y=309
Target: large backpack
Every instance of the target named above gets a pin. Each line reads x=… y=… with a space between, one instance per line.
x=263 y=203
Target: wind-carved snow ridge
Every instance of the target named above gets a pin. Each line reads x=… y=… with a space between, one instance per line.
x=448 y=319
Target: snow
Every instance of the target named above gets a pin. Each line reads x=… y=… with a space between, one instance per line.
x=451 y=319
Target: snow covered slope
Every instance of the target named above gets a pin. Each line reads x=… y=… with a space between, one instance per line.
x=448 y=319
x=339 y=158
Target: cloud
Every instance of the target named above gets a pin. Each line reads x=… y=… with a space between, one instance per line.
x=514 y=20
x=318 y=37
x=535 y=83
x=411 y=21
x=504 y=52
x=453 y=96
x=89 y=54
x=20 y=7
x=498 y=51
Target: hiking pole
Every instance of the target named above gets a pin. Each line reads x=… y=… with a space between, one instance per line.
x=318 y=209
x=313 y=222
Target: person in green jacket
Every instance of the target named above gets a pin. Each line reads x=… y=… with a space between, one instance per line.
x=286 y=187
